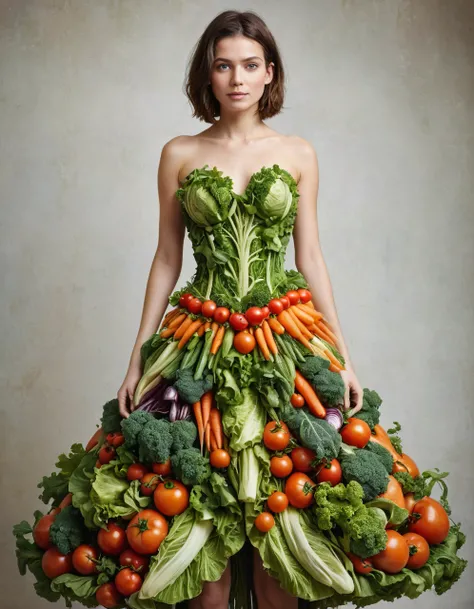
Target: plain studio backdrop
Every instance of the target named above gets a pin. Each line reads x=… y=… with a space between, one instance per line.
x=90 y=92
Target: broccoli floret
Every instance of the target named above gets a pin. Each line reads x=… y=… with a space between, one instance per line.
x=258 y=297
x=184 y=434
x=382 y=453
x=133 y=425
x=155 y=441
x=369 y=412
x=68 y=530
x=328 y=385
x=189 y=390
x=335 y=505
x=190 y=466
x=111 y=417
x=366 y=532
x=416 y=485
x=366 y=468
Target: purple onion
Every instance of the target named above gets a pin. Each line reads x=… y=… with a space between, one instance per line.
x=171 y=393
x=334 y=418
x=174 y=411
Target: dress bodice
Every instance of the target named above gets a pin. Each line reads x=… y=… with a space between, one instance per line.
x=239 y=241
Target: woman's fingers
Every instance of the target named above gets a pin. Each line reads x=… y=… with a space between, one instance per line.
x=122 y=400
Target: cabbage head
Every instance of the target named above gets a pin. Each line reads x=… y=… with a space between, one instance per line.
x=270 y=193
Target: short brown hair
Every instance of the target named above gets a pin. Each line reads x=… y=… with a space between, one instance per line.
x=232 y=23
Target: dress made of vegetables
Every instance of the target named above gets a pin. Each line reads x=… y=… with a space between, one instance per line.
x=238 y=441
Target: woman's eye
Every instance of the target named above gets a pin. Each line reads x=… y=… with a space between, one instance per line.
x=221 y=65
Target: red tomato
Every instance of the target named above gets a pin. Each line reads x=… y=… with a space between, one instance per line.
x=276 y=435
x=148 y=485
x=238 y=321
x=162 y=469
x=83 y=559
x=395 y=556
x=264 y=522
x=208 y=308
x=146 y=531
x=171 y=497
x=356 y=432
x=410 y=502
x=277 y=502
x=299 y=489
x=303 y=458
x=430 y=520
x=106 y=454
x=331 y=472
x=244 y=342
x=219 y=458
x=281 y=467
x=184 y=299
x=305 y=295
x=55 y=564
x=294 y=297
x=136 y=471
x=112 y=541
x=266 y=311
x=194 y=305
x=418 y=548
x=254 y=316
x=276 y=306
x=297 y=400
x=285 y=301
x=41 y=531
x=127 y=581
x=361 y=565
x=130 y=558
x=221 y=315
x=108 y=596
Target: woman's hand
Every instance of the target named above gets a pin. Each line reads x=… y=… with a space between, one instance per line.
x=127 y=390
x=354 y=391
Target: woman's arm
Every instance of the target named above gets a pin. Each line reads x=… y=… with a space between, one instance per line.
x=310 y=262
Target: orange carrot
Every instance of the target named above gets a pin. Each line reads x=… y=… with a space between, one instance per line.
x=315 y=329
x=335 y=363
x=199 y=423
x=206 y=403
x=288 y=323
x=323 y=329
x=310 y=310
x=322 y=323
x=215 y=327
x=262 y=343
x=303 y=386
x=216 y=343
x=183 y=327
x=302 y=328
x=177 y=321
x=216 y=426
x=269 y=337
x=172 y=315
x=306 y=318
x=213 y=442
x=189 y=332
x=275 y=325
x=203 y=328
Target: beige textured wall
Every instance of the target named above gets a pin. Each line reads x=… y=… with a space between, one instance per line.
x=90 y=92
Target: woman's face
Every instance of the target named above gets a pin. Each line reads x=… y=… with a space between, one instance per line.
x=239 y=66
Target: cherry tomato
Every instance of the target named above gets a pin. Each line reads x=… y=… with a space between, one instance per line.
x=299 y=489
x=115 y=439
x=112 y=541
x=41 y=531
x=184 y=299
x=220 y=458
x=148 y=484
x=128 y=581
x=330 y=472
x=55 y=564
x=361 y=565
x=244 y=342
x=238 y=321
x=281 y=467
x=303 y=458
x=108 y=596
x=194 y=305
x=136 y=471
x=106 y=454
x=293 y=296
x=146 y=531
x=265 y=311
x=264 y=522
x=208 y=308
x=297 y=400
x=430 y=520
x=254 y=316
x=276 y=435
x=418 y=548
x=171 y=497
x=356 y=432
x=162 y=469
x=285 y=301
x=83 y=559
x=277 y=502
x=305 y=295
x=276 y=306
x=395 y=556
x=221 y=315
x=130 y=558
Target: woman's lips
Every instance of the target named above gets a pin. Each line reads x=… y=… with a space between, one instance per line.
x=237 y=95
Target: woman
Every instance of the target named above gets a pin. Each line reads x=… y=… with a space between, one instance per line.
x=236 y=54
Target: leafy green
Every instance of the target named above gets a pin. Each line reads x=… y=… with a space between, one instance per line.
x=244 y=417
x=56 y=485
x=111 y=417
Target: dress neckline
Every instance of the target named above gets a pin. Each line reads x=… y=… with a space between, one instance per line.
x=229 y=177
